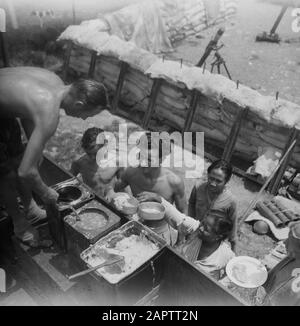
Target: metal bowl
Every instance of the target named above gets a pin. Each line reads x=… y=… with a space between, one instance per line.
x=151 y=211
x=69 y=194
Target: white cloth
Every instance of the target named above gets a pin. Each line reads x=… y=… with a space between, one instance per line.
x=186 y=224
x=280 y=234
x=217 y=260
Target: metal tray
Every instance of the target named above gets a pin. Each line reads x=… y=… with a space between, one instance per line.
x=112 y=221
x=109 y=241
x=86 y=194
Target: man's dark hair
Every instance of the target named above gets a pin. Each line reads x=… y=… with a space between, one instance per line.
x=223 y=227
x=90 y=136
x=91 y=92
x=224 y=166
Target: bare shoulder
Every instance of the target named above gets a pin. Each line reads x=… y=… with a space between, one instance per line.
x=174 y=179
x=30 y=72
x=130 y=172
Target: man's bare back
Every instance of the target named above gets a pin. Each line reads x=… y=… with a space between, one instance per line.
x=35 y=95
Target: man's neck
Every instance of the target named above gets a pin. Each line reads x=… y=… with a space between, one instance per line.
x=63 y=94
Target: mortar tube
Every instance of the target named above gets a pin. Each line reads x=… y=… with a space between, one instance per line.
x=276 y=210
x=290 y=215
x=267 y=213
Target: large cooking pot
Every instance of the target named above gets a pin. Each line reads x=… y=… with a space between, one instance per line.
x=69 y=194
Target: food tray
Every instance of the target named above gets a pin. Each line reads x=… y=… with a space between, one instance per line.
x=86 y=194
x=92 y=233
x=145 y=242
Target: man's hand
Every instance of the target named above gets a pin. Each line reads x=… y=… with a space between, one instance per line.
x=50 y=197
x=148 y=196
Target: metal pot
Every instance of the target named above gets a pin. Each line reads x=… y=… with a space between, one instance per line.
x=69 y=194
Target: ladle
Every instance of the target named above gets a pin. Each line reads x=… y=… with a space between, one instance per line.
x=92 y=269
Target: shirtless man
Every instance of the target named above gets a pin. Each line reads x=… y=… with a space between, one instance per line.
x=159 y=180
x=100 y=177
x=35 y=95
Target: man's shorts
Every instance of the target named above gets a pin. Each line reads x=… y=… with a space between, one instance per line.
x=11 y=145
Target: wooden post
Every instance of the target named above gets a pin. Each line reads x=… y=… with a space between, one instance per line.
x=115 y=102
x=67 y=60
x=92 y=64
x=275 y=183
x=151 y=107
x=233 y=136
x=4 y=50
x=191 y=111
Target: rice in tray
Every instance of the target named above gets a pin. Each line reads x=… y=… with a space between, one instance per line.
x=136 y=250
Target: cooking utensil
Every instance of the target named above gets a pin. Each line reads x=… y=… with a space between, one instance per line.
x=151 y=211
x=156 y=244
x=75 y=212
x=95 y=222
x=87 y=271
x=68 y=194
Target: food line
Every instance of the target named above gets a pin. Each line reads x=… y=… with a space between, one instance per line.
x=78 y=249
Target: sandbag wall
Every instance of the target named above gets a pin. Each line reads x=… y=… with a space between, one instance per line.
x=172 y=106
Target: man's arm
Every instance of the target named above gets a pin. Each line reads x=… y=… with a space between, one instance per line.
x=179 y=194
x=75 y=170
x=28 y=169
x=192 y=203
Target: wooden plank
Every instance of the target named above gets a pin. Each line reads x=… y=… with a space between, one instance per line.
x=207 y=155
x=233 y=136
x=121 y=79
x=151 y=106
x=67 y=60
x=92 y=64
x=275 y=183
x=18 y=297
x=186 y=285
x=4 y=50
x=191 y=111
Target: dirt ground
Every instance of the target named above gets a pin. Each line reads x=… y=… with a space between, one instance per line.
x=266 y=67
x=263 y=66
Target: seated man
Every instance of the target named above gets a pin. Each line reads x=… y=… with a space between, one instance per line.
x=206 y=245
x=213 y=198
x=283 y=284
x=158 y=180
x=97 y=175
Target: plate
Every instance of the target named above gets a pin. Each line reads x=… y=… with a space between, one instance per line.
x=246 y=272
